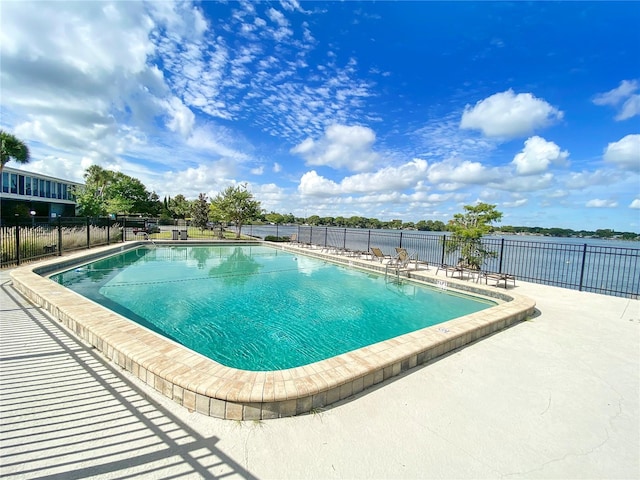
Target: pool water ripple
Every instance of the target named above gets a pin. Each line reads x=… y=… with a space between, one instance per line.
x=258 y=308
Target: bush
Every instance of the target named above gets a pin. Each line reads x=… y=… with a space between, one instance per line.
x=273 y=238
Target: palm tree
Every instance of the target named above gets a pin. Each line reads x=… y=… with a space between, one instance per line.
x=12 y=148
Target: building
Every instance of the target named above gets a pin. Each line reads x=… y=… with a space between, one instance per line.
x=24 y=194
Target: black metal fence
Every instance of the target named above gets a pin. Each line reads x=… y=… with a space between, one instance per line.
x=609 y=270
x=42 y=237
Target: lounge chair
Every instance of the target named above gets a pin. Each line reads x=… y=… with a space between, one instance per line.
x=498 y=277
x=459 y=268
x=377 y=254
x=403 y=256
x=400 y=262
x=403 y=259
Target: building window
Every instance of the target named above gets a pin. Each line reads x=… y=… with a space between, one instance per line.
x=60 y=191
x=35 y=187
x=5 y=182
x=42 y=188
x=14 y=183
x=27 y=186
x=48 y=191
x=64 y=192
x=20 y=184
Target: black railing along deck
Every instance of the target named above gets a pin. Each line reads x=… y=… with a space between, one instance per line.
x=609 y=270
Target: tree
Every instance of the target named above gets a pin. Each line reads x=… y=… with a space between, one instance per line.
x=200 y=212
x=107 y=192
x=12 y=147
x=274 y=218
x=179 y=206
x=237 y=205
x=127 y=195
x=313 y=220
x=91 y=197
x=468 y=229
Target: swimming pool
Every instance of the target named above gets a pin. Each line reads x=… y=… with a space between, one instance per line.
x=258 y=308
x=208 y=387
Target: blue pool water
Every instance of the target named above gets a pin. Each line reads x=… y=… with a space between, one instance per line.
x=260 y=308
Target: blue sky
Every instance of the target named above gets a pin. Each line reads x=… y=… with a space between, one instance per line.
x=390 y=110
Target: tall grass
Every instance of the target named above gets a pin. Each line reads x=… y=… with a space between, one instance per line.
x=39 y=241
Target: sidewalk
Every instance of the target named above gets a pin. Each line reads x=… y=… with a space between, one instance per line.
x=553 y=397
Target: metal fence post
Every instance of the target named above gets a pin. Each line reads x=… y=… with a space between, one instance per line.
x=17 y=242
x=88 y=235
x=400 y=240
x=108 y=231
x=59 y=236
x=444 y=244
x=344 y=240
x=369 y=242
x=501 y=252
x=584 y=257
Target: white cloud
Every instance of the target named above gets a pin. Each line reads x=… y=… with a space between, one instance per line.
x=192 y=181
x=391 y=180
x=507 y=115
x=515 y=203
x=531 y=183
x=181 y=118
x=219 y=141
x=341 y=146
x=277 y=17
x=537 y=155
x=586 y=179
x=598 y=203
x=388 y=178
x=624 y=98
x=464 y=172
x=625 y=153
x=277 y=168
x=635 y=203
x=313 y=184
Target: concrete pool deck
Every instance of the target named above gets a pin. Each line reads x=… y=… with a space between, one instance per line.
x=202 y=384
x=556 y=396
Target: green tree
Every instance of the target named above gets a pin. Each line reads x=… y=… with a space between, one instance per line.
x=91 y=198
x=274 y=218
x=179 y=206
x=468 y=229
x=237 y=205
x=313 y=220
x=107 y=192
x=200 y=212
x=127 y=195
x=12 y=147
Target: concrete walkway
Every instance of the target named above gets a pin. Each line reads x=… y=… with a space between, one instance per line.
x=554 y=397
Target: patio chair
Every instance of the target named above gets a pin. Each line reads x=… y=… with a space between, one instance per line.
x=400 y=262
x=378 y=254
x=459 y=268
x=403 y=256
x=498 y=277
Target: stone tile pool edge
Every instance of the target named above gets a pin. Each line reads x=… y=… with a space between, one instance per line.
x=201 y=384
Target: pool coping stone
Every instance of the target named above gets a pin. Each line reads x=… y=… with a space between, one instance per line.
x=201 y=384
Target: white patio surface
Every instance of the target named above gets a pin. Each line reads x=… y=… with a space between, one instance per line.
x=556 y=396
